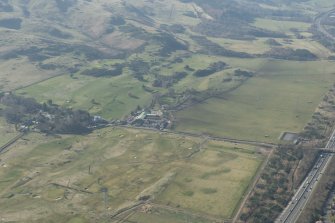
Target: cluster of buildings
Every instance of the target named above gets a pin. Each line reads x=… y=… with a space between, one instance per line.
x=149 y=119
x=32 y=122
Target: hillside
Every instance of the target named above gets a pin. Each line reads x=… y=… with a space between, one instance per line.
x=159 y=110
x=58 y=36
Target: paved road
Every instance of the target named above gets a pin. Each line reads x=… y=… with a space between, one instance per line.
x=319 y=21
x=11 y=142
x=303 y=194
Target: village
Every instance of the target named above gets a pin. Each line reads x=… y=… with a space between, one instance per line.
x=147 y=118
x=51 y=118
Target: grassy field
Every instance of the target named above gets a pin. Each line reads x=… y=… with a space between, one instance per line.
x=281 y=98
x=160 y=215
x=79 y=179
x=19 y=72
x=111 y=95
x=257 y=46
x=292 y=41
x=213 y=182
x=281 y=26
x=44 y=178
x=7 y=131
x=199 y=61
x=325 y=4
x=311 y=45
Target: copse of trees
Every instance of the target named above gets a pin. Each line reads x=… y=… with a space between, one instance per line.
x=168 y=81
x=116 y=70
x=291 y=54
x=273 y=189
x=17 y=107
x=243 y=73
x=211 y=48
x=213 y=68
x=47 y=117
x=168 y=44
x=65 y=121
x=139 y=68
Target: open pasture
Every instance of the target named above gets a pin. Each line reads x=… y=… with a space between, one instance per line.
x=7 y=131
x=281 y=26
x=84 y=179
x=16 y=73
x=213 y=182
x=282 y=97
x=110 y=97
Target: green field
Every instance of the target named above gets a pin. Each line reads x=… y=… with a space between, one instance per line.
x=282 y=97
x=36 y=171
x=160 y=215
x=88 y=178
x=210 y=82
x=108 y=97
x=213 y=182
x=17 y=73
x=256 y=46
x=282 y=26
x=7 y=131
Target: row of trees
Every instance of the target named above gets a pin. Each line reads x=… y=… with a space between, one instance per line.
x=291 y=54
x=211 y=69
x=288 y=167
x=273 y=190
x=115 y=70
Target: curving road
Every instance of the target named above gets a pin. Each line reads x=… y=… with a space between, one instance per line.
x=319 y=21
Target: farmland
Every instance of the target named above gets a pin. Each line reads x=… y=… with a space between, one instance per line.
x=19 y=73
x=245 y=70
x=7 y=131
x=204 y=183
x=281 y=98
x=282 y=26
x=108 y=97
x=66 y=174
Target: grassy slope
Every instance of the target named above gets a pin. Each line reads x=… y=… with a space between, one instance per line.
x=281 y=98
x=16 y=73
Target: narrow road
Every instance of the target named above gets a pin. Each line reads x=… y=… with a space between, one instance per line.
x=319 y=23
x=11 y=142
x=305 y=191
x=210 y=137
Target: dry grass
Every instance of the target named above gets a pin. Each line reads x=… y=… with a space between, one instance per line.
x=65 y=175
x=16 y=73
x=213 y=183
